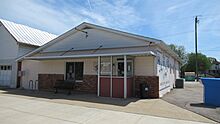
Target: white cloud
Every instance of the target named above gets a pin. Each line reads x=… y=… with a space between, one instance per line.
x=151 y=18
x=177 y=6
x=38 y=15
x=117 y=14
x=57 y=18
x=95 y=17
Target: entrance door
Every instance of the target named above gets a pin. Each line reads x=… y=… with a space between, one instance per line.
x=120 y=70
x=5 y=75
x=74 y=71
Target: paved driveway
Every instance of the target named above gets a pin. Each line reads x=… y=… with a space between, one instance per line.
x=191 y=98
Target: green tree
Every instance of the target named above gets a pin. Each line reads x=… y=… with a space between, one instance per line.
x=180 y=51
x=203 y=62
x=212 y=60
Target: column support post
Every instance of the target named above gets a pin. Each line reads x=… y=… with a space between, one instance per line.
x=111 y=78
x=125 y=76
x=98 y=85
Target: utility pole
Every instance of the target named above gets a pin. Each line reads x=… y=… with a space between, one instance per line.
x=196 y=46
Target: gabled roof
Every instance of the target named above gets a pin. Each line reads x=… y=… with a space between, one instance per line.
x=86 y=25
x=216 y=62
x=27 y=35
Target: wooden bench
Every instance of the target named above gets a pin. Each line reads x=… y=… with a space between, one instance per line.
x=64 y=85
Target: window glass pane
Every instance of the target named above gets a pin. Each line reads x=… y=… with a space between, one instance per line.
x=74 y=71
x=70 y=75
x=105 y=66
x=79 y=70
x=9 y=68
x=163 y=60
x=120 y=69
x=1 y=67
x=129 y=68
x=159 y=58
x=167 y=62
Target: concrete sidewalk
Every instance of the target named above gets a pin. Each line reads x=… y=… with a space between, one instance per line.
x=152 y=107
x=24 y=111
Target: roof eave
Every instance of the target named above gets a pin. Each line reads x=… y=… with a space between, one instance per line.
x=173 y=54
x=28 y=44
x=120 y=32
x=89 y=55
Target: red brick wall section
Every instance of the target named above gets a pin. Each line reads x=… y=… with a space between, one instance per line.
x=153 y=83
x=47 y=81
x=89 y=84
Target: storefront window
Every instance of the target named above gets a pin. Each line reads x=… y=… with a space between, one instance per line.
x=105 y=66
x=117 y=68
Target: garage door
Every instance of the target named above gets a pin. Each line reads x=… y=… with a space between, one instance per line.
x=5 y=75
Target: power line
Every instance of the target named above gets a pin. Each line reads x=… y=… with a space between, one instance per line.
x=176 y=34
x=207 y=30
x=211 y=15
x=182 y=19
x=172 y=21
x=180 y=33
x=209 y=51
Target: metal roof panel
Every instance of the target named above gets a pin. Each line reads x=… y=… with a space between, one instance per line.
x=27 y=35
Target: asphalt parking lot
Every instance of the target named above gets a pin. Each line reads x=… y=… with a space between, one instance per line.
x=191 y=98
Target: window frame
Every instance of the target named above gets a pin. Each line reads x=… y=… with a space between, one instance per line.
x=74 y=64
x=132 y=67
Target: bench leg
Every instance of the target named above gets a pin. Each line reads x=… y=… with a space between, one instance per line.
x=56 y=91
x=69 y=93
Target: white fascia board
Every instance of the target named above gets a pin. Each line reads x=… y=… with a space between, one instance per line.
x=140 y=37
x=48 y=44
x=89 y=55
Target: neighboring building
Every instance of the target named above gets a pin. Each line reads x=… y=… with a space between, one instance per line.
x=215 y=67
x=103 y=61
x=15 y=41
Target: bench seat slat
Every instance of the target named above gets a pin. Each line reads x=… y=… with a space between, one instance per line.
x=64 y=85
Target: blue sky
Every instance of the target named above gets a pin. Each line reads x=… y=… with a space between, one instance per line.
x=169 y=20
